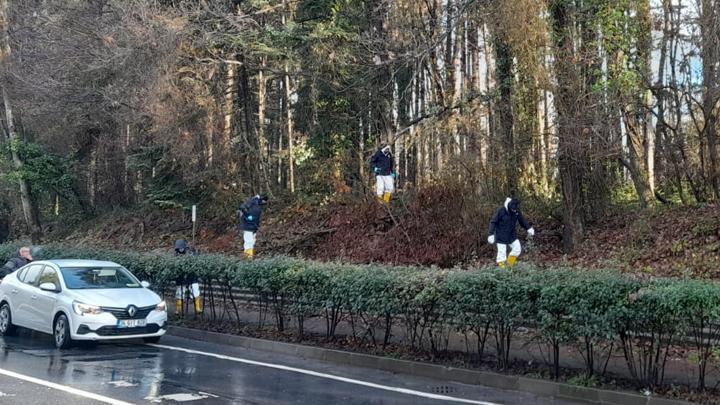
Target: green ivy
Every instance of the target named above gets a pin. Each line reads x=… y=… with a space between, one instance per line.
x=45 y=171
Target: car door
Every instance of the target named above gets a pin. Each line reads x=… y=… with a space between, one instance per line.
x=43 y=302
x=22 y=297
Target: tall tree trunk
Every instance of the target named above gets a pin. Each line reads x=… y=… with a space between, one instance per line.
x=644 y=56
x=280 y=152
x=633 y=109
x=126 y=184
x=634 y=161
x=544 y=117
x=473 y=34
x=458 y=51
x=489 y=52
x=30 y=213
x=289 y=130
x=473 y=86
x=210 y=127
x=710 y=28
x=660 y=125
x=361 y=148
x=504 y=80
x=434 y=63
x=251 y=161
x=230 y=95
x=286 y=17
x=569 y=145
x=263 y=153
x=593 y=116
x=674 y=104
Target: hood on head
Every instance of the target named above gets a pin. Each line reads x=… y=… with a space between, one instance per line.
x=262 y=198
x=180 y=245
x=385 y=149
x=512 y=204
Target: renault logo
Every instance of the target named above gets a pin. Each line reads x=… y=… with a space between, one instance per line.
x=131 y=310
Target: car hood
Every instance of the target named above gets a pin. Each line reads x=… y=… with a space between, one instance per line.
x=116 y=297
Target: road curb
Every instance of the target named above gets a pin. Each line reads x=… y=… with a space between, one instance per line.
x=543 y=388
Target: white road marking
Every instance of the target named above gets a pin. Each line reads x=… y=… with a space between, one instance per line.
x=327 y=376
x=177 y=398
x=2 y=394
x=122 y=384
x=64 y=388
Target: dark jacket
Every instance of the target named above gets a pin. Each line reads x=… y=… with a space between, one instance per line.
x=382 y=163
x=250 y=213
x=504 y=223
x=12 y=265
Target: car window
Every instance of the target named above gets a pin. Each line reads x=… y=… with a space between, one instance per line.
x=31 y=275
x=49 y=275
x=98 y=277
x=21 y=273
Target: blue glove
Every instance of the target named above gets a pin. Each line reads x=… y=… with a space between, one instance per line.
x=249 y=217
x=376 y=170
x=394 y=175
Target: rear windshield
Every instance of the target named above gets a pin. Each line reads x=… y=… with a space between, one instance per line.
x=78 y=278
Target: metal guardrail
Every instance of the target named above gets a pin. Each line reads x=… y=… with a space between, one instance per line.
x=249 y=298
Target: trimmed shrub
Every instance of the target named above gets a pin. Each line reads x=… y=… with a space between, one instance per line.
x=647 y=325
x=597 y=300
x=592 y=310
x=696 y=306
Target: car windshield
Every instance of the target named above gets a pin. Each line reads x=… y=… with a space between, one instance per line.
x=78 y=278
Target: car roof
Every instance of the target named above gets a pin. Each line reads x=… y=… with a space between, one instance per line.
x=79 y=263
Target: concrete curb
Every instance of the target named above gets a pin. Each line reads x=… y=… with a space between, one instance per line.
x=506 y=382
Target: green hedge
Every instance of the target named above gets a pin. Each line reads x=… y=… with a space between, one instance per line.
x=595 y=311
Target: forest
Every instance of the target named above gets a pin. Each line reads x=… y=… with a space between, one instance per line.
x=583 y=109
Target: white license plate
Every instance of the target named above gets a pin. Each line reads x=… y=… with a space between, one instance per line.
x=131 y=323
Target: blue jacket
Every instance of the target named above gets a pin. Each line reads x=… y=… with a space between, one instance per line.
x=382 y=163
x=504 y=223
x=249 y=214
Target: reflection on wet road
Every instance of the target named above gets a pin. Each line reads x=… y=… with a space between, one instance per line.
x=185 y=371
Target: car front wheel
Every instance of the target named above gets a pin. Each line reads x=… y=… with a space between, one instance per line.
x=61 y=332
x=6 y=326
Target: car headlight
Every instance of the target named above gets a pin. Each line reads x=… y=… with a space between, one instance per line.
x=161 y=307
x=82 y=309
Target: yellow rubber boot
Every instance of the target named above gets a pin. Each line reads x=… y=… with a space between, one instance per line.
x=178 y=307
x=502 y=265
x=387 y=197
x=198 y=305
x=249 y=253
x=512 y=260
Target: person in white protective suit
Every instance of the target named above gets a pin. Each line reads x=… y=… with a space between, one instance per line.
x=188 y=285
x=503 y=232
x=382 y=164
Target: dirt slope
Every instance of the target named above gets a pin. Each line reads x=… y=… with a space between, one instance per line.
x=430 y=229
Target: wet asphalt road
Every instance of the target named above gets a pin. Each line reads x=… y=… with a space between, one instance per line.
x=174 y=373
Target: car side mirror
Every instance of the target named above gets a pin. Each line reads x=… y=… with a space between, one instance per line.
x=49 y=287
x=145 y=284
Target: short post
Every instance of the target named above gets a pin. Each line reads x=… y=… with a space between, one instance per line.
x=194 y=221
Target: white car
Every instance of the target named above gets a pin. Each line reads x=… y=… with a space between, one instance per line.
x=81 y=300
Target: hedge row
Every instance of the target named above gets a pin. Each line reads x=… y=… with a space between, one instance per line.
x=591 y=310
